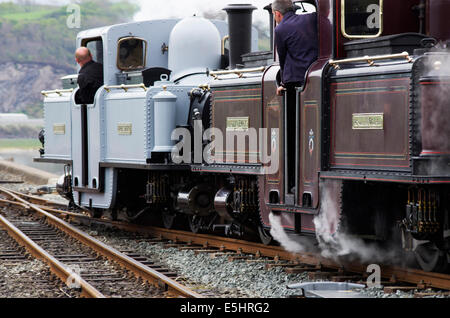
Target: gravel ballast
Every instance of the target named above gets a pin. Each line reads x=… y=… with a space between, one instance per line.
x=217 y=277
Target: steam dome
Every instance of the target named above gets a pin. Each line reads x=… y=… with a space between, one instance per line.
x=194 y=45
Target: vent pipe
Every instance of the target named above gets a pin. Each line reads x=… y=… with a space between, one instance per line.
x=240 y=31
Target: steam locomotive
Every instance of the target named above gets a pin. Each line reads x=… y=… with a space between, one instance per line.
x=188 y=127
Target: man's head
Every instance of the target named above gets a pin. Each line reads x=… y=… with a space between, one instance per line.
x=280 y=8
x=83 y=55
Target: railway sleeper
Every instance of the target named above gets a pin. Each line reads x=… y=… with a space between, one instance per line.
x=319 y=275
x=394 y=289
x=348 y=278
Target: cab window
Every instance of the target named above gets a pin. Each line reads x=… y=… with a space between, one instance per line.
x=95 y=46
x=304 y=7
x=362 y=18
x=131 y=55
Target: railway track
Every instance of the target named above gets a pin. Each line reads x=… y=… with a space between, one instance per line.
x=316 y=267
x=23 y=276
x=80 y=260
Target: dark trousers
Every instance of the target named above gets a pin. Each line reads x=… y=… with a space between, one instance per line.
x=291 y=130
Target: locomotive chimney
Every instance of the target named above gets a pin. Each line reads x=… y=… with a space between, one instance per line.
x=240 y=31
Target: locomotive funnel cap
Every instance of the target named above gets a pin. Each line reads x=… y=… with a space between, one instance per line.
x=240 y=31
x=239 y=6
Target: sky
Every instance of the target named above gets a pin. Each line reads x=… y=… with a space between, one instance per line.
x=159 y=9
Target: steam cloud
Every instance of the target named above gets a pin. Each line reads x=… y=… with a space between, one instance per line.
x=288 y=243
x=332 y=242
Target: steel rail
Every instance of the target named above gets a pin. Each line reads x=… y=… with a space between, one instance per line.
x=56 y=267
x=44 y=203
x=408 y=275
x=139 y=269
x=37 y=200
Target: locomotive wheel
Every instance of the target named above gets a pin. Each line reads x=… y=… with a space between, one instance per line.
x=195 y=223
x=264 y=235
x=96 y=213
x=173 y=220
x=168 y=218
x=431 y=258
x=201 y=223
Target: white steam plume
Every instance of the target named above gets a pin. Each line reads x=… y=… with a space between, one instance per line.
x=289 y=243
x=333 y=243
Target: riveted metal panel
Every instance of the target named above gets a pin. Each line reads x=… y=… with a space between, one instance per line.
x=58 y=128
x=380 y=139
x=125 y=126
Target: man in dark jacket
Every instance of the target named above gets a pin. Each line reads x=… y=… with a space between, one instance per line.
x=90 y=76
x=296 y=40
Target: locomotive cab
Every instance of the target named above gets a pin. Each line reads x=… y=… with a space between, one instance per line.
x=95 y=46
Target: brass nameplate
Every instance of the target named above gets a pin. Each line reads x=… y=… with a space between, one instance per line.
x=368 y=121
x=124 y=129
x=59 y=129
x=237 y=123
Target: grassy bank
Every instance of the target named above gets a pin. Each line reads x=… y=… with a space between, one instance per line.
x=19 y=131
x=19 y=144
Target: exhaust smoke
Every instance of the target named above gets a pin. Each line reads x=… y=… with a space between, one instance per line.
x=331 y=240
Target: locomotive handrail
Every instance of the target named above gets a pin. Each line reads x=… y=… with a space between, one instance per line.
x=125 y=87
x=238 y=72
x=224 y=40
x=57 y=91
x=370 y=59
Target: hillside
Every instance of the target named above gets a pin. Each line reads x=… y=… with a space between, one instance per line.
x=38 y=46
x=38 y=33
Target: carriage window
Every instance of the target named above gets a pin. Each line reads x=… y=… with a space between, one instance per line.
x=362 y=18
x=131 y=54
x=95 y=46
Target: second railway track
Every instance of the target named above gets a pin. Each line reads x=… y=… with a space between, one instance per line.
x=82 y=261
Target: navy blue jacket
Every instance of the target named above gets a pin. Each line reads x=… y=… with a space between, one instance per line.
x=90 y=79
x=297 y=45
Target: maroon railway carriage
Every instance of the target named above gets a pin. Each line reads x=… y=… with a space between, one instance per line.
x=370 y=155
x=370 y=125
